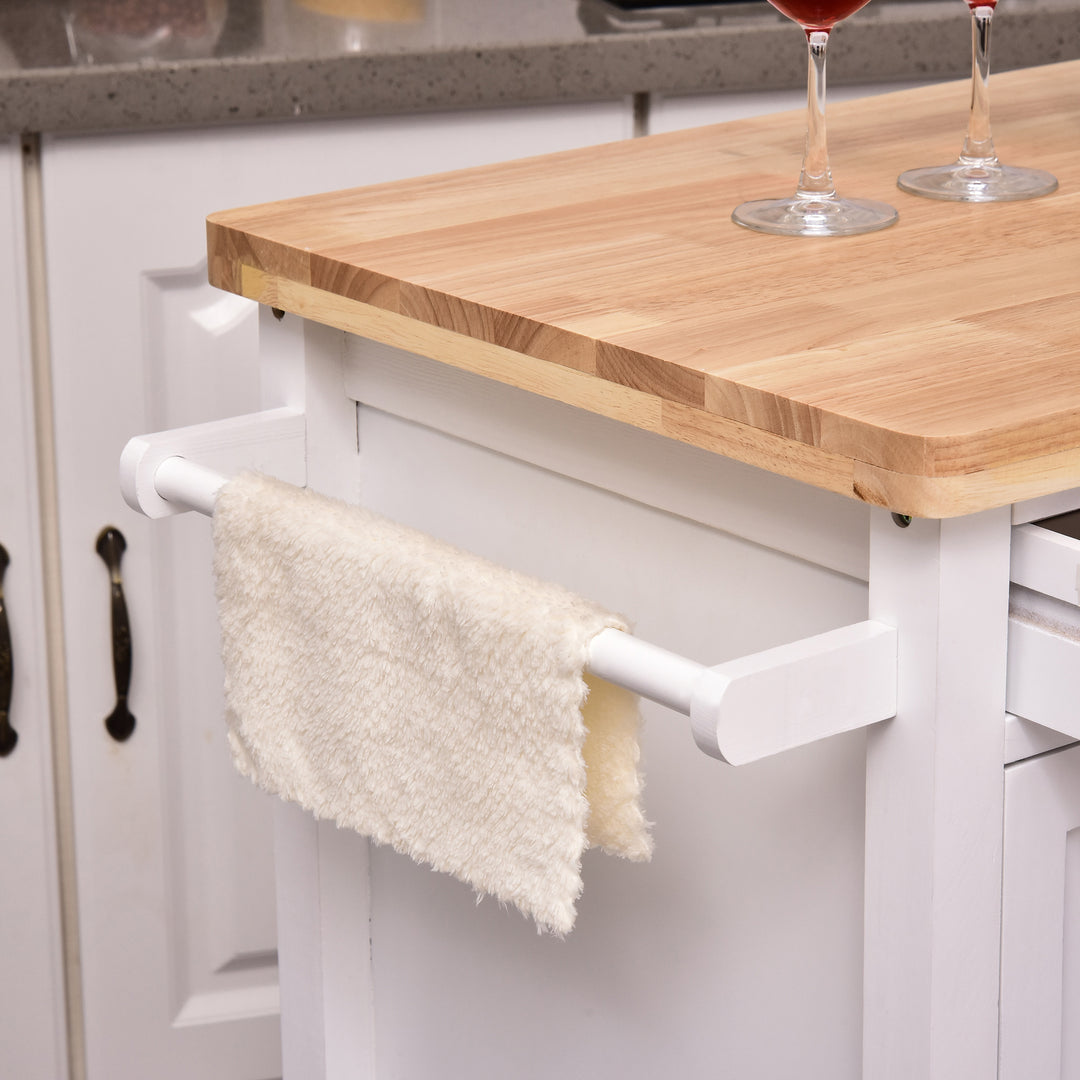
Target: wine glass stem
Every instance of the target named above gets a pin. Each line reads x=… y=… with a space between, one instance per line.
x=815 y=180
x=979 y=144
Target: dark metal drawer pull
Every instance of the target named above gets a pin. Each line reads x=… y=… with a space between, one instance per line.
x=8 y=735
x=111 y=546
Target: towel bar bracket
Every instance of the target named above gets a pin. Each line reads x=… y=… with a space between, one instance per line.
x=762 y=704
x=768 y=702
x=273 y=442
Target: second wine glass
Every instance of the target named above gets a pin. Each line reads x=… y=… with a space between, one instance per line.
x=815 y=209
x=977 y=175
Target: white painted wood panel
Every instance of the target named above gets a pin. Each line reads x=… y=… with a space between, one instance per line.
x=771 y=510
x=1047 y=561
x=748 y=921
x=1024 y=739
x=174 y=853
x=1062 y=502
x=32 y=1037
x=1040 y=968
x=1044 y=661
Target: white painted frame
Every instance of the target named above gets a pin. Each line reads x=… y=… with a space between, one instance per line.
x=934 y=801
x=1042 y=797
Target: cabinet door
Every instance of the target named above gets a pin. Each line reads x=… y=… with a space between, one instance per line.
x=174 y=852
x=32 y=1041
x=1040 y=976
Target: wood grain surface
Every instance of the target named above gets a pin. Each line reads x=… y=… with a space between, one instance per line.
x=932 y=368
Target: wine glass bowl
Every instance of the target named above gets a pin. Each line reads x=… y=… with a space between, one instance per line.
x=977 y=175
x=817 y=14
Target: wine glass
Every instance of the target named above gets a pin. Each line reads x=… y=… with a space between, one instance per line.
x=815 y=209
x=977 y=175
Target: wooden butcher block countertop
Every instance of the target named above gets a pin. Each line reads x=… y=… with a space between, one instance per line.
x=932 y=368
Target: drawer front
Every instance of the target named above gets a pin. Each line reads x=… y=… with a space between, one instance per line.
x=1047 y=560
x=1043 y=683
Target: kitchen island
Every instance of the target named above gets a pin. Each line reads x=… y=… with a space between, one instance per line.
x=725 y=434
x=142 y=936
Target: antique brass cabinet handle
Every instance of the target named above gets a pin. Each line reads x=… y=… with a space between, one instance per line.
x=8 y=735
x=111 y=546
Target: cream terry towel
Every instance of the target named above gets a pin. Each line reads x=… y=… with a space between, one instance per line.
x=422 y=696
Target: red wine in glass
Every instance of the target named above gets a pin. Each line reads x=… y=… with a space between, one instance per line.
x=815 y=209
x=817 y=14
x=977 y=175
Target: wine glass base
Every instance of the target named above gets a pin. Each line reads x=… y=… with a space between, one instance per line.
x=796 y=216
x=976 y=182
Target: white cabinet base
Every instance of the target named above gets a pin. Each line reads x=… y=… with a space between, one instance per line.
x=1040 y=964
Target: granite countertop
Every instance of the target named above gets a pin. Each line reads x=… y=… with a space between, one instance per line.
x=94 y=65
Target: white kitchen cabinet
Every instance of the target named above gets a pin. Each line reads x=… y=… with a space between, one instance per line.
x=672 y=112
x=173 y=852
x=32 y=1035
x=1040 y=963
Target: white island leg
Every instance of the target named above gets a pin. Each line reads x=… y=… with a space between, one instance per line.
x=322 y=873
x=934 y=801
x=324 y=944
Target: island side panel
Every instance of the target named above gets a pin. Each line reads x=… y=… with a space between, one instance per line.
x=743 y=937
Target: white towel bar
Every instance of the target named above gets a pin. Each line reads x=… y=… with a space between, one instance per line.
x=739 y=711
x=187 y=484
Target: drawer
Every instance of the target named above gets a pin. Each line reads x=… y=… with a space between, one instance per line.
x=1046 y=557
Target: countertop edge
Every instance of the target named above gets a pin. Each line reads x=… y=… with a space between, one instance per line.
x=915 y=494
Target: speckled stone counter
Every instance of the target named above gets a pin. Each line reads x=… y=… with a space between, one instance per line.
x=91 y=65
